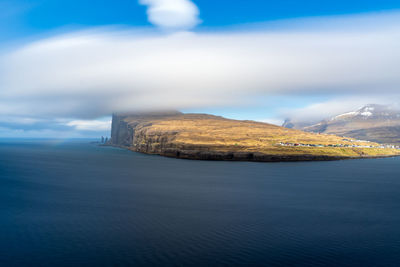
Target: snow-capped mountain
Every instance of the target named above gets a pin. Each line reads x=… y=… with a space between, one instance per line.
x=370 y=112
x=371 y=122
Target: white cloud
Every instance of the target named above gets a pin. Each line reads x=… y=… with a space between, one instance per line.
x=90 y=74
x=172 y=14
x=90 y=125
x=275 y=121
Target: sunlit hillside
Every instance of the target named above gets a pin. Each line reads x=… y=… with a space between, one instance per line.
x=191 y=134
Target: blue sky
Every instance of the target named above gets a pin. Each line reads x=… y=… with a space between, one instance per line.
x=22 y=18
x=29 y=23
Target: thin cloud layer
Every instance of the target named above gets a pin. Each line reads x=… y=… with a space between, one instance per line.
x=90 y=74
x=90 y=125
x=172 y=14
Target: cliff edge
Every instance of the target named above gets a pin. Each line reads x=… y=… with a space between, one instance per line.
x=208 y=137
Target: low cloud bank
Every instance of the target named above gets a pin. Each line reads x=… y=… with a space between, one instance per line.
x=90 y=125
x=90 y=74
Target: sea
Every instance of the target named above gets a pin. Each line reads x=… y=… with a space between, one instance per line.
x=75 y=203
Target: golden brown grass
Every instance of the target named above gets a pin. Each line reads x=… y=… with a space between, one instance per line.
x=220 y=134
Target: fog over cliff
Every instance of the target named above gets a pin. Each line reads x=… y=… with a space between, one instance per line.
x=92 y=73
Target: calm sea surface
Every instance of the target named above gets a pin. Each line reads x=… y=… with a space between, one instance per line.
x=75 y=203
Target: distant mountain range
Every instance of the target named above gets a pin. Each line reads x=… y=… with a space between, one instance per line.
x=377 y=123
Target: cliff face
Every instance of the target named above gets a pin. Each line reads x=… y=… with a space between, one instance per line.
x=200 y=136
x=132 y=130
x=121 y=132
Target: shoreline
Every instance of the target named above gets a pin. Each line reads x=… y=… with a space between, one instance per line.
x=245 y=156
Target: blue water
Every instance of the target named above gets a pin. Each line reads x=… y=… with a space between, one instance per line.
x=78 y=204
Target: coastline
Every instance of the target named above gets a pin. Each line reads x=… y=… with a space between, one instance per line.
x=245 y=156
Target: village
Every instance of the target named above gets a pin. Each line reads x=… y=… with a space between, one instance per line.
x=340 y=145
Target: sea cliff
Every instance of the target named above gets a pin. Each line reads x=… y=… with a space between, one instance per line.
x=208 y=137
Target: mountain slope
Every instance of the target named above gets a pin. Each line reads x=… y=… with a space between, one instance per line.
x=372 y=122
x=201 y=136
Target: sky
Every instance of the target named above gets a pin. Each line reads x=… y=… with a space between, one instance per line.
x=66 y=65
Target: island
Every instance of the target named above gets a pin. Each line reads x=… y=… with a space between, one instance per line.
x=209 y=137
